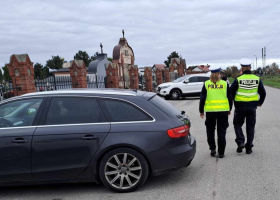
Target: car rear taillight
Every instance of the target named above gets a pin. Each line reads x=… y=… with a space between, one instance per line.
x=181 y=131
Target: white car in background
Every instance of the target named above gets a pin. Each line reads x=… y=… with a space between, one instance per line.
x=189 y=85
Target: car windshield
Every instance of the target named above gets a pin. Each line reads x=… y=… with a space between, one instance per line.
x=180 y=79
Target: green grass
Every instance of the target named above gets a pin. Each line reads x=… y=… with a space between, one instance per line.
x=273 y=81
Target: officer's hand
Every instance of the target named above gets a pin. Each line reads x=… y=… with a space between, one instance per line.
x=229 y=113
x=202 y=115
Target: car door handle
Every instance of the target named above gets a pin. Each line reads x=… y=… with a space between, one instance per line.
x=89 y=137
x=19 y=140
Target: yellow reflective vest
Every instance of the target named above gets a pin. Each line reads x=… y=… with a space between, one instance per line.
x=216 y=100
x=248 y=85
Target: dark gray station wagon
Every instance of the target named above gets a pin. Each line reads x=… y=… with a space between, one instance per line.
x=116 y=136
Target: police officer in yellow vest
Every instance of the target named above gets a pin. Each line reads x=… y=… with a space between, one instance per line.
x=248 y=93
x=216 y=101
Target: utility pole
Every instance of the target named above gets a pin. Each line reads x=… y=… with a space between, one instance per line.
x=262 y=59
x=256 y=62
x=264 y=54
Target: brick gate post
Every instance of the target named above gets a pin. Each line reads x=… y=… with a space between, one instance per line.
x=159 y=76
x=166 y=75
x=22 y=73
x=112 y=75
x=78 y=73
x=133 y=77
x=148 y=79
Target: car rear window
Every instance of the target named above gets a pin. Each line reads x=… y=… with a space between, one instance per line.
x=120 y=111
x=74 y=110
x=165 y=107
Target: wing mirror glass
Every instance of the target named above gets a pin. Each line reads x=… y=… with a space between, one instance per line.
x=186 y=81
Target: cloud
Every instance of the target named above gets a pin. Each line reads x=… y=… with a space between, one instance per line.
x=215 y=32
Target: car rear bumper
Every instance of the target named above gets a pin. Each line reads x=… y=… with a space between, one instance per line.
x=178 y=157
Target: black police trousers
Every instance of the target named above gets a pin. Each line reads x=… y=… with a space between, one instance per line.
x=221 y=119
x=240 y=114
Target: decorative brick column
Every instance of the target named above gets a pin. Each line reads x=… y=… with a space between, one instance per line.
x=148 y=79
x=133 y=77
x=159 y=76
x=78 y=74
x=166 y=75
x=180 y=69
x=112 y=75
x=22 y=73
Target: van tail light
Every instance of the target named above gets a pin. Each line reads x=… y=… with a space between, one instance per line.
x=178 y=132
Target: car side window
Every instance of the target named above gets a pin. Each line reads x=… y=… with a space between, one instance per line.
x=19 y=113
x=203 y=79
x=193 y=79
x=74 y=110
x=120 y=111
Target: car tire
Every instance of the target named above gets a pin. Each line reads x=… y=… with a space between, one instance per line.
x=123 y=170
x=166 y=97
x=175 y=94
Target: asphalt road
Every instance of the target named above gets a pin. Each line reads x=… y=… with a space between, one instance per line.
x=255 y=176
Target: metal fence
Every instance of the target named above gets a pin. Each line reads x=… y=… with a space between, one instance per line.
x=65 y=82
x=7 y=89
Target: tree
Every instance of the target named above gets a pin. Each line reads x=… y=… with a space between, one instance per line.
x=6 y=73
x=55 y=63
x=174 y=54
x=92 y=58
x=40 y=71
x=110 y=59
x=1 y=75
x=274 y=68
x=234 y=71
x=228 y=72
x=82 y=55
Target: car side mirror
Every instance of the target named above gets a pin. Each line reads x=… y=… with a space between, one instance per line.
x=186 y=81
x=31 y=111
x=183 y=113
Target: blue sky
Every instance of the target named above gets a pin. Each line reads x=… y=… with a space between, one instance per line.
x=215 y=32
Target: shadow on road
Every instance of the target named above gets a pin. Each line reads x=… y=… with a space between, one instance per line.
x=167 y=180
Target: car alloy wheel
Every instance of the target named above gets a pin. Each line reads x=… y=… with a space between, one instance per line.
x=175 y=94
x=123 y=170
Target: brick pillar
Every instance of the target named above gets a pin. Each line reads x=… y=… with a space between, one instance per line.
x=112 y=75
x=181 y=70
x=166 y=75
x=159 y=76
x=78 y=73
x=148 y=79
x=22 y=73
x=171 y=68
x=133 y=77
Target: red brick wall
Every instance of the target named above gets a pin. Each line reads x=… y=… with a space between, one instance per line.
x=159 y=76
x=166 y=75
x=112 y=75
x=78 y=75
x=133 y=77
x=148 y=79
x=23 y=83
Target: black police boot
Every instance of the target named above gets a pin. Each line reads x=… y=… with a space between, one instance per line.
x=221 y=155
x=213 y=152
x=240 y=148
x=249 y=151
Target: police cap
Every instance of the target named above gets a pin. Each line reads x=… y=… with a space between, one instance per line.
x=245 y=62
x=215 y=70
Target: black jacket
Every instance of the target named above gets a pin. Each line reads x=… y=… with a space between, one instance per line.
x=261 y=91
x=203 y=96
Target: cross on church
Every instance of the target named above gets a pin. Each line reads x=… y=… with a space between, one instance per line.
x=123 y=33
x=101 y=47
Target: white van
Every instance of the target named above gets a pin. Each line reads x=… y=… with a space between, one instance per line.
x=189 y=85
